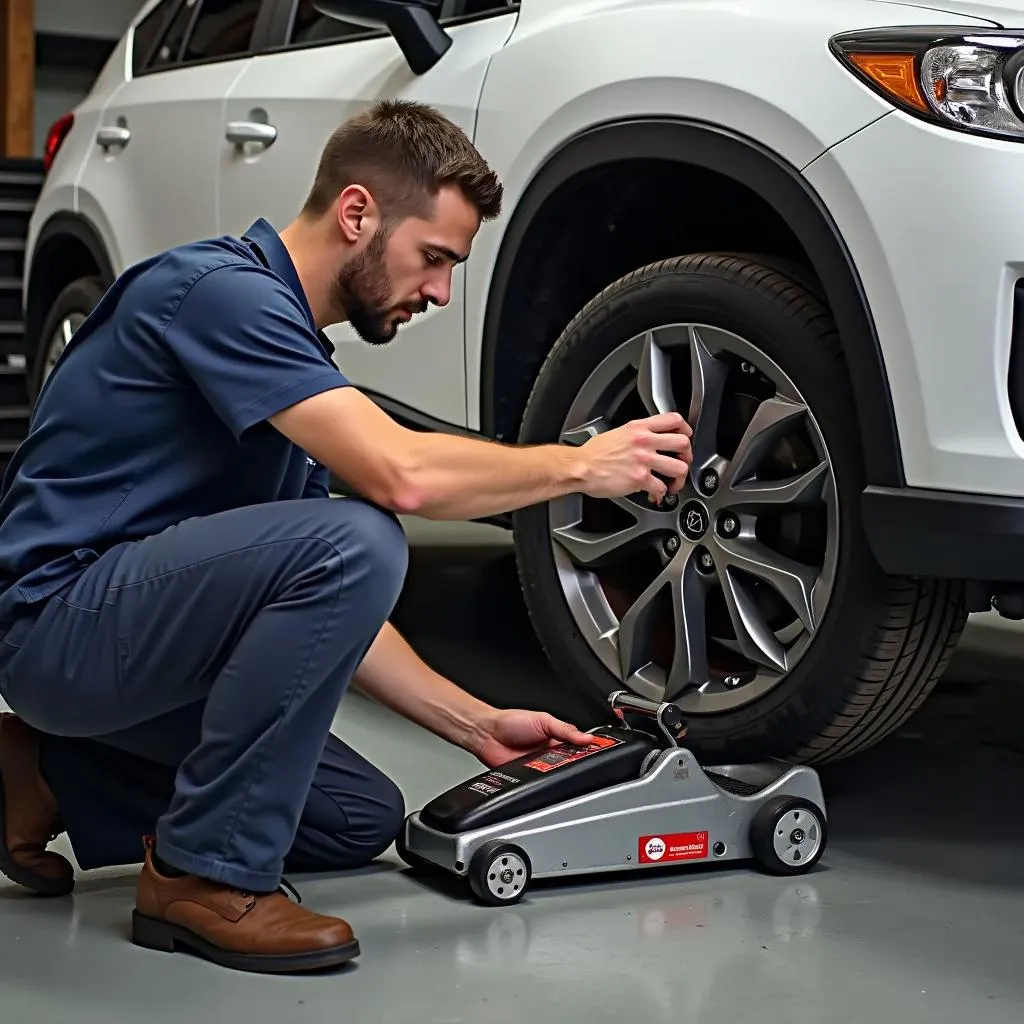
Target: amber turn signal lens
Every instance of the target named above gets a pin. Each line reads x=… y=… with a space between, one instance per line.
x=893 y=73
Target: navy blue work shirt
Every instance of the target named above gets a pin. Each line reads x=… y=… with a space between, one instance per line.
x=157 y=410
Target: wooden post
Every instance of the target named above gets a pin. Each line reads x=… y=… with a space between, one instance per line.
x=17 y=78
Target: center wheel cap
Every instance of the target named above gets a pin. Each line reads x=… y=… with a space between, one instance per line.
x=694 y=520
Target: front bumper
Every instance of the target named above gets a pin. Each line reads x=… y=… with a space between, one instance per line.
x=935 y=227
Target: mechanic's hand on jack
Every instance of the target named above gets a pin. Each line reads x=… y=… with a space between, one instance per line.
x=511 y=734
x=625 y=460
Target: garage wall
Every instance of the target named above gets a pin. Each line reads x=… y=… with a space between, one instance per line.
x=60 y=25
x=103 y=18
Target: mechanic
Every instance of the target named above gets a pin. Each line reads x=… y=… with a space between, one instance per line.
x=182 y=602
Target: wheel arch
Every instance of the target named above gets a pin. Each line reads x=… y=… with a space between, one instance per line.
x=776 y=183
x=68 y=247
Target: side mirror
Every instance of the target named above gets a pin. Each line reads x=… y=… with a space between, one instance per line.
x=414 y=25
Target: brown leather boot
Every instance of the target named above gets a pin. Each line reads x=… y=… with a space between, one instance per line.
x=233 y=928
x=30 y=815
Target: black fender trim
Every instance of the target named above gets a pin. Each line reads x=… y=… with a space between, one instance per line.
x=82 y=230
x=415 y=419
x=79 y=227
x=913 y=531
x=783 y=188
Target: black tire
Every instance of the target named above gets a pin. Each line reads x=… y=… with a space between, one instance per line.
x=80 y=297
x=883 y=643
x=768 y=820
x=488 y=861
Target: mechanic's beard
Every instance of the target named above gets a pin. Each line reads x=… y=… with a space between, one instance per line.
x=362 y=289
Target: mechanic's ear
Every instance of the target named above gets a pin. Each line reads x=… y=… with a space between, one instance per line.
x=357 y=214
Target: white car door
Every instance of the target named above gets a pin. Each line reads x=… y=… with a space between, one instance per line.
x=322 y=72
x=151 y=181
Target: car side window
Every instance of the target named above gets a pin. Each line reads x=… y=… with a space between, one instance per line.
x=310 y=27
x=222 y=29
x=170 y=46
x=148 y=32
x=464 y=9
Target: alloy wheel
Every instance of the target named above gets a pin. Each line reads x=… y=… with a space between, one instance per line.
x=712 y=598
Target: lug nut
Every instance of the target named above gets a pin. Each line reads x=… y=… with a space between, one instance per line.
x=709 y=481
x=705 y=563
x=670 y=500
x=728 y=525
x=671 y=545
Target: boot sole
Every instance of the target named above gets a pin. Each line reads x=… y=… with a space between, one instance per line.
x=39 y=884
x=165 y=937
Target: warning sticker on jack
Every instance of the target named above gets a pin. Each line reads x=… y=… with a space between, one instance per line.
x=494 y=782
x=566 y=753
x=676 y=846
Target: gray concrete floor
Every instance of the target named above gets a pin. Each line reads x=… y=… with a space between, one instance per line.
x=914 y=915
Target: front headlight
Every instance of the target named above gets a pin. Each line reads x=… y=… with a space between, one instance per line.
x=973 y=81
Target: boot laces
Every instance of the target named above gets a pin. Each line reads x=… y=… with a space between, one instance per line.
x=286 y=887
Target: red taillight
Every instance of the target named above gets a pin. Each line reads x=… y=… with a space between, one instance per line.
x=55 y=139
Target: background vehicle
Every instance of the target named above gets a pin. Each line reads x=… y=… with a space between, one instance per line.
x=765 y=214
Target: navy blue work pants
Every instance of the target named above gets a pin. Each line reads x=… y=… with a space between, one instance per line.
x=186 y=685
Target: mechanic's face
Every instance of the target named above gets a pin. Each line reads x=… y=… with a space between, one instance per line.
x=396 y=275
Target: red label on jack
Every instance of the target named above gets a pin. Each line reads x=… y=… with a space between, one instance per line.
x=672 y=847
x=566 y=753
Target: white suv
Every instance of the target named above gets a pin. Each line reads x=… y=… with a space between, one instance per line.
x=798 y=221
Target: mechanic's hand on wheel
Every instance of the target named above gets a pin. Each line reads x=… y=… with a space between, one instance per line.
x=624 y=460
x=511 y=734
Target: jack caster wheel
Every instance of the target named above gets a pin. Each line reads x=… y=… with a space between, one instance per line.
x=499 y=873
x=788 y=835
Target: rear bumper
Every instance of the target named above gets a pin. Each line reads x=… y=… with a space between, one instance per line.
x=941 y=534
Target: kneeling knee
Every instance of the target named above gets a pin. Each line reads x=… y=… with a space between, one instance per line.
x=380 y=549
x=341 y=833
x=384 y=821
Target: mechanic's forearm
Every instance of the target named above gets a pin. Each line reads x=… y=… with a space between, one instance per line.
x=437 y=476
x=449 y=477
x=395 y=676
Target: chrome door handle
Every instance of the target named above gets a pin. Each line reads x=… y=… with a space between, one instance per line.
x=241 y=132
x=113 y=136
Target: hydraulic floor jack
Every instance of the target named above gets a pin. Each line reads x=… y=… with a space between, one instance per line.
x=633 y=799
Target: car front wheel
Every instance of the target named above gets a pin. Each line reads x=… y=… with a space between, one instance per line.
x=752 y=601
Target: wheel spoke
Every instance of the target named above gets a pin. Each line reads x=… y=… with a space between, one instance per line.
x=773 y=418
x=592 y=550
x=708 y=376
x=654 y=380
x=753 y=634
x=765 y=495
x=636 y=628
x=690 y=658
x=793 y=581
x=584 y=432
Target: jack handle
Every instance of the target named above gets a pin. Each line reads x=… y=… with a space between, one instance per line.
x=668 y=716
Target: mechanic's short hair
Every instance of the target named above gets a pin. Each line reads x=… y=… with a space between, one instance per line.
x=403 y=153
